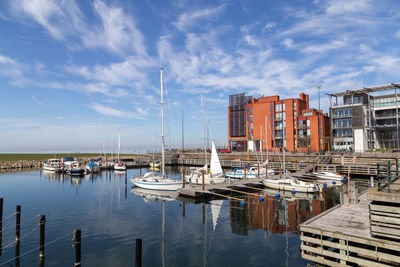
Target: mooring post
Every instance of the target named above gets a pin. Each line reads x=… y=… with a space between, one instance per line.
x=77 y=243
x=202 y=181
x=183 y=178
x=42 y=221
x=280 y=170
x=372 y=181
x=138 y=258
x=258 y=170
x=1 y=226
x=18 y=223
x=244 y=171
x=17 y=253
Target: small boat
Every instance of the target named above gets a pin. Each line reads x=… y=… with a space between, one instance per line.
x=92 y=167
x=215 y=176
x=155 y=164
x=252 y=172
x=291 y=184
x=52 y=165
x=119 y=165
x=329 y=176
x=152 y=180
x=72 y=166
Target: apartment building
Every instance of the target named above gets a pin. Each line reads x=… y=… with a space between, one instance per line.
x=365 y=119
x=272 y=123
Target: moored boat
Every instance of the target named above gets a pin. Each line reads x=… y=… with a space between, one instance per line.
x=291 y=184
x=52 y=165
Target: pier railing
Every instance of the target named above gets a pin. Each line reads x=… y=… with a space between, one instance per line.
x=388 y=176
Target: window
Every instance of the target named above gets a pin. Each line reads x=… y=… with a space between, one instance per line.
x=284 y=107
x=308 y=132
x=278 y=107
x=284 y=115
x=249 y=110
x=308 y=123
x=295 y=113
x=308 y=113
x=295 y=105
x=278 y=116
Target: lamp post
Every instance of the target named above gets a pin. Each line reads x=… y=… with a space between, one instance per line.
x=319 y=119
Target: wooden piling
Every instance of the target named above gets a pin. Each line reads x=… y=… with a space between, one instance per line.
x=77 y=243
x=202 y=181
x=17 y=253
x=42 y=223
x=258 y=169
x=314 y=165
x=183 y=209
x=18 y=223
x=138 y=258
x=244 y=171
x=280 y=170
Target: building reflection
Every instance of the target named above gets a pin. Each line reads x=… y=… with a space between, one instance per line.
x=279 y=215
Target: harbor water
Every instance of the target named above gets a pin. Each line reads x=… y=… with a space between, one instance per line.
x=175 y=232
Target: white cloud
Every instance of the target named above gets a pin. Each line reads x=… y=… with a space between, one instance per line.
x=34 y=98
x=347 y=6
x=268 y=26
x=190 y=18
x=108 y=111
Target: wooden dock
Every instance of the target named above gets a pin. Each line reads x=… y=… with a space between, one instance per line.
x=342 y=236
x=213 y=190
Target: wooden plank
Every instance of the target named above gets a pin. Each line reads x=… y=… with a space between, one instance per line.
x=387 y=244
x=385 y=219
x=366 y=252
x=385 y=230
x=336 y=255
x=320 y=260
x=384 y=208
x=385 y=214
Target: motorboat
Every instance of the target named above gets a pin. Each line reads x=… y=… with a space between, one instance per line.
x=92 y=167
x=252 y=172
x=52 y=165
x=71 y=166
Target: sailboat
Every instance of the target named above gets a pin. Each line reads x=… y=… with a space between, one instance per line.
x=119 y=166
x=153 y=180
x=216 y=174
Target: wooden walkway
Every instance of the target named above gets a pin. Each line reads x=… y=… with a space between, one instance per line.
x=341 y=236
x=195 y=191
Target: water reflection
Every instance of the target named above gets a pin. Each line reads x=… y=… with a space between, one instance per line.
x=279 y=215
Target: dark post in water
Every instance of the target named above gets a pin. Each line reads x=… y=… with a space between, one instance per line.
x=77 y=243
x=138 y=259
x=183 y=178
x=202 y=181
x=42 y=222
x=18 y=223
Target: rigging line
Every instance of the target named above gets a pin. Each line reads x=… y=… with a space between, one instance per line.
x=5 y=227
x=12 y=226
x=177 y=242
x=32 y=250
x=37 y=226
x=10 y=215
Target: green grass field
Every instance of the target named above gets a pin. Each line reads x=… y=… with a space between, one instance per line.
x=14 y=157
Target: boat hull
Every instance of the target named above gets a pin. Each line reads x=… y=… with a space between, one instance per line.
x=154 y=184
x=286 y=185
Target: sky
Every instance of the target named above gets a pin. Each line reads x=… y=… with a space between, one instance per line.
x=75 y=73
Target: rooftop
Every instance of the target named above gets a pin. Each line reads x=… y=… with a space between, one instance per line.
x=366 y=90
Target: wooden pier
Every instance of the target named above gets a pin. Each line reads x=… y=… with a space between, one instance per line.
x=342 y=236
x=213 y=190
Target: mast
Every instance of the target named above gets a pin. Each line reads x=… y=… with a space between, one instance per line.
x=266 y=137
x=204 y=128
x=162 y=126
x=261 y=144
x=119 y=142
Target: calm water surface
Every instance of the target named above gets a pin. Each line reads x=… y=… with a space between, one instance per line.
x=112 y=215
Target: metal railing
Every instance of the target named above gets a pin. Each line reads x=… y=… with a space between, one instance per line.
x=388 y=176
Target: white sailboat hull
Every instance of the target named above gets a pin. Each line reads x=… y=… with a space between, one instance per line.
x=157 y=184
x=289 y=185
x=194 y=178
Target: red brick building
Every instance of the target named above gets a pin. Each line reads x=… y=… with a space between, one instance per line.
x=271 y=123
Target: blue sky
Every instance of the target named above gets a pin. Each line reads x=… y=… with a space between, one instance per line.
x=73 y=72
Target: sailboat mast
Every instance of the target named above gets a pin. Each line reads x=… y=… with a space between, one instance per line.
x=119 y=142
x=204 y=128
x=266 y=137
x=162 y=126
